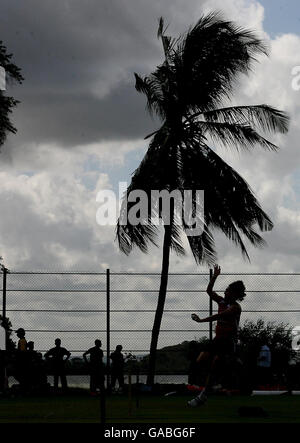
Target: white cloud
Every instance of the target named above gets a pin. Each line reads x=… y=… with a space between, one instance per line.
x=246 y=13
x=48 y=193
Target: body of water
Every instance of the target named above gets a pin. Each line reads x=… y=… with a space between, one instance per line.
x=83 y=381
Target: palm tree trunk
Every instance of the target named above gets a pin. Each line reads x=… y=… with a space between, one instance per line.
x=160 y=304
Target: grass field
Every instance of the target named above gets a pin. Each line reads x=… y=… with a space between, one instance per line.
x=152 y=409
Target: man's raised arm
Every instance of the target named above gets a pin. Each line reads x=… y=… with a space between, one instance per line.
x=209 y=290
x=213 y=295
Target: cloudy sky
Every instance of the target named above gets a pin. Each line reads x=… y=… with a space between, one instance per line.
x=81 y=126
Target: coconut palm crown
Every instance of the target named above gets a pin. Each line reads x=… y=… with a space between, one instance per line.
x=187 y=91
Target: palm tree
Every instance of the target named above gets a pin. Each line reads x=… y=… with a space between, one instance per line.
x=187 y=91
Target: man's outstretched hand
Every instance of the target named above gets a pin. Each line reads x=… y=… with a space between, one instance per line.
x=217 y=271
x=196 y=318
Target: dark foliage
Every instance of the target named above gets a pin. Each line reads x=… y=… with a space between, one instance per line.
x=7 y=103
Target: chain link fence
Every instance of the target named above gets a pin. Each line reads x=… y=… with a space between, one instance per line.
x=119 y=308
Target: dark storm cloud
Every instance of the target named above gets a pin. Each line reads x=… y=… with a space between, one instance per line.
x=82 y=118
x=78 y=59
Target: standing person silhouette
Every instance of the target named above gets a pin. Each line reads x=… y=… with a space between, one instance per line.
x=22 y=343
x=117 y=368
x=264 y=360
x=96 y=367
x=228 y=318
x=21 y=360
x=56 y=356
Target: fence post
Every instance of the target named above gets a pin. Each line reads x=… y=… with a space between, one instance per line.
x=108 y=327
x=210 y=309
x=4 y=270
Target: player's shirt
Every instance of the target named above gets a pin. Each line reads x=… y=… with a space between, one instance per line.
x=96 y=356
x=22 y=344
x=227 y=328
x=57 y=355
x=117 y=360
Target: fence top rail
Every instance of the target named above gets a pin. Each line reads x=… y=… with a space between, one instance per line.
x=55 y=273
x=138 y=291
x=205 y=273
x=145 y=273
x=114 y=330
x=143 y=310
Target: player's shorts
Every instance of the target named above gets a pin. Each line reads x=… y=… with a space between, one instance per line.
x=221 y=346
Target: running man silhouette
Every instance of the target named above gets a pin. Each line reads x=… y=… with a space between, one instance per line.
x=56 y=357
x=96 y=367
x=228 y=318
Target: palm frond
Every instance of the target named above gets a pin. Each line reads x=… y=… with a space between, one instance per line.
x=260 y=117
x=203 y=248
x=229 y=203
x=176 y=239
x=253 y=236
x=140 y=236
x=235 y=135
x=152 y=89
x=163 y=177
x=166 y=40
x=160 y=30
x=211 y=55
